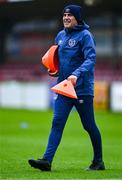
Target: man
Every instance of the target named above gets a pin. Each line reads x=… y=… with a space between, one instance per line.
x=77 y=58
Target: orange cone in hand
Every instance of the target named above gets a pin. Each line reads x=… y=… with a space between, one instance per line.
x=50 y=59
x=65 y=88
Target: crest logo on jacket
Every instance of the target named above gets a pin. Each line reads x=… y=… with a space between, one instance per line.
x=72 y=42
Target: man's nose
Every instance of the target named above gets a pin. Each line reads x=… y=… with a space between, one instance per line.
x=66 y=16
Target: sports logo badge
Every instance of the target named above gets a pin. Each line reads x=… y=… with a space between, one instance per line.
x=72 y=42
x=67 y=10
x=60 y=42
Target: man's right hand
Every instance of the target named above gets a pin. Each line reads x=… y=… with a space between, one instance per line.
x=53 y=74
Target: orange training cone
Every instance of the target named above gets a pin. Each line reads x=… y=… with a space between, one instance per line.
x=65 y=88
x=50 y=59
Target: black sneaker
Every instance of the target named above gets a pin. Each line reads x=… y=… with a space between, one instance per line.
x=41 y=164
x=96 y=166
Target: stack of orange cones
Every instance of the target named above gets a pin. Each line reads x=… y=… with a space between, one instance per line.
x=50 y=59
x=65 y=88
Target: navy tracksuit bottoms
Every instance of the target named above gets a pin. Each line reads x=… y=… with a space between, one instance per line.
x=62 y=108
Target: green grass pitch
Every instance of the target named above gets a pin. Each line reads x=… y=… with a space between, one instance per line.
x=24 y=135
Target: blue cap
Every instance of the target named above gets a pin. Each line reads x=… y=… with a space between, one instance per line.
x=76 y=11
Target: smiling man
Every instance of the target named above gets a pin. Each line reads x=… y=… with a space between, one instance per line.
x=69 y=20
x=77 y=58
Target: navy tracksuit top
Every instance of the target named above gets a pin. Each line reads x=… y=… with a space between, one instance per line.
x=77 y=56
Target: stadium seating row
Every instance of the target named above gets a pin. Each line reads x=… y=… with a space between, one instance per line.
x=34 y=72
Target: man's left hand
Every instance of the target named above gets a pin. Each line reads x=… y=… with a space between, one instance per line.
x=73 y=79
